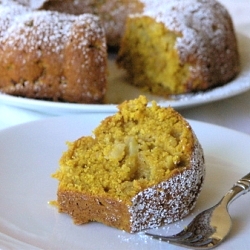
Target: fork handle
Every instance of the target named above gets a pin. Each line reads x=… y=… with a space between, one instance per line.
x=241 y=187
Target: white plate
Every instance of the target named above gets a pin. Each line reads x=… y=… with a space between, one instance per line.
x=119 y=90
x=29 y=154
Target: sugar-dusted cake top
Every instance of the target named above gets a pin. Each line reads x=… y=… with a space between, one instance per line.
x=30 y=30
x=198 y=23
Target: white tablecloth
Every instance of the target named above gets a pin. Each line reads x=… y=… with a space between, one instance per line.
x=232 y=113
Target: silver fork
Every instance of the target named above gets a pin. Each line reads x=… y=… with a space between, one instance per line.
x=210 y=227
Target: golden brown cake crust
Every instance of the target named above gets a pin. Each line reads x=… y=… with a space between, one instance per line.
x=153 y=179
x=52 y=56
x=85 y=208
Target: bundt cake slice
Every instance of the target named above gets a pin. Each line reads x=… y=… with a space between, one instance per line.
x=142 y=168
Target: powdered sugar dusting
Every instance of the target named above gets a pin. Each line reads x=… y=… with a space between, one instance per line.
x=43 y=28
x=192 y=20
x=170 y=200
x=205 y=36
